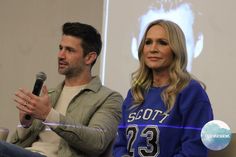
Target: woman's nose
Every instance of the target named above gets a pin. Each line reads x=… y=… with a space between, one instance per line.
x=154 y=47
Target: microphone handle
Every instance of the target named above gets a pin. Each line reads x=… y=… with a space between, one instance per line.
x=37 y=87
x=36 y=91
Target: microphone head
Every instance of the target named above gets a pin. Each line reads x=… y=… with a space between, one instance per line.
x=41 y=75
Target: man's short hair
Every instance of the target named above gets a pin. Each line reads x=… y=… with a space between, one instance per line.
x=91 y=38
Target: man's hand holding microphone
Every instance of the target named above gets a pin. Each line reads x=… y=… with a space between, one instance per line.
x=30 y=104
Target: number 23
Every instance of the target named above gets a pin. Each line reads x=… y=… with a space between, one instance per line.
x=151 y=133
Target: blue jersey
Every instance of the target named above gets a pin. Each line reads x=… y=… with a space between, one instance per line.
x=149 y=131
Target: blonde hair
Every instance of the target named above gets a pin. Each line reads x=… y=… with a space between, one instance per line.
x=142 y=79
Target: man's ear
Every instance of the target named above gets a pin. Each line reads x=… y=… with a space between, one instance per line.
x=90 y=57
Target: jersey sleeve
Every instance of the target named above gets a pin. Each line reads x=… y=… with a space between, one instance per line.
x=196 y=111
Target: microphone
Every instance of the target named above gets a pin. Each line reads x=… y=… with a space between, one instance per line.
x=40 y=78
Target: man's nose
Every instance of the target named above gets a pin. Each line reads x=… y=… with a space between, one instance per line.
x=61 y=53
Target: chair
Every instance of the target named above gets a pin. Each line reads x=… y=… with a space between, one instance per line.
x=3 y=133
x=229 y=151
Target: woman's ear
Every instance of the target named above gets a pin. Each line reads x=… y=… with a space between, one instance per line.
x=90 y=57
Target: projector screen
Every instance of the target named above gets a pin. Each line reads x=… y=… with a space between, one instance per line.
x=209 y=27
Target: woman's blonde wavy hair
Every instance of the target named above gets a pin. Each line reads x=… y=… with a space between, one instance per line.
x=142 y=79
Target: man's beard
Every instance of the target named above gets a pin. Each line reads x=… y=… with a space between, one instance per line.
x=70 y=72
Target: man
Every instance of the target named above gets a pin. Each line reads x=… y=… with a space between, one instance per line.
x=79 y=117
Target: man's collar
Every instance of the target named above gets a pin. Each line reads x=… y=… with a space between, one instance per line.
x=94 y=85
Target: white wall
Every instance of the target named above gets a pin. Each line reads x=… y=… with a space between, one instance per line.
x=30 y=34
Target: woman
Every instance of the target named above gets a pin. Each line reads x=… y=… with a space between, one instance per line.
x=166 y=107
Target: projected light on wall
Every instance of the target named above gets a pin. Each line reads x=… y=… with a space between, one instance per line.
x=183 y=15
x=209 y=32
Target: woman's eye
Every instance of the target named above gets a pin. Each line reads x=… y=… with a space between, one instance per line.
x=148 y=42
x=162 y=42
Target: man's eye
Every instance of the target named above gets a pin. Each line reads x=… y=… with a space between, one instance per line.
x=70 y=50
x=148 y=42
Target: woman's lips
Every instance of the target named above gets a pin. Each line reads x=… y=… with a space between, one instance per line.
x=154 y=58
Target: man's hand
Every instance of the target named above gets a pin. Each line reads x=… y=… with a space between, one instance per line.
x=36 y=106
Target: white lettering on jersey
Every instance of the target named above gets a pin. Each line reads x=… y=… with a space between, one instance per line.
x=148 y=114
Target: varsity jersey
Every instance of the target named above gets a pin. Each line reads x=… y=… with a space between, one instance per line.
x=150 y=131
